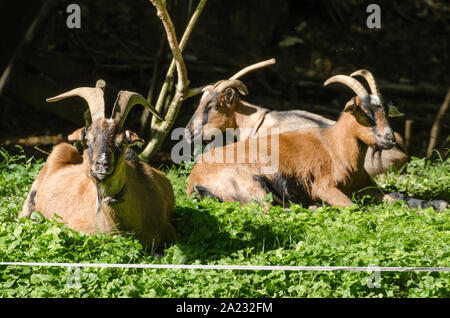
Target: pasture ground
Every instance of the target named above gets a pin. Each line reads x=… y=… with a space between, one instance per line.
x=209 y=232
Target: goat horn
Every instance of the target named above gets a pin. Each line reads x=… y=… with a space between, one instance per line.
x=220 y=86
x=205 y=88
x=253 y=67
x=369 y=78
x=350 y=82
x=125 y=101
x=92 y=95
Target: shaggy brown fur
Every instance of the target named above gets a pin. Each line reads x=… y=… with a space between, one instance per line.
x=221 y=110
x=324 y=169
x=315 y=165
x=128 y=194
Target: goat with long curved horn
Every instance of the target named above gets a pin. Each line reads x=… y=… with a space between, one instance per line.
x=308 y=166
x=107 y=188
x=219 y=111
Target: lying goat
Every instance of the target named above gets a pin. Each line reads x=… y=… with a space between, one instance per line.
x=108 y=189
x=221 y=107
x=312 y=165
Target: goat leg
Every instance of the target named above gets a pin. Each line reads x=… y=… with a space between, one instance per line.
x=29 y=205
x=334 y=197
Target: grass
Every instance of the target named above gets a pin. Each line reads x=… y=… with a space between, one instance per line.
x=366 y=234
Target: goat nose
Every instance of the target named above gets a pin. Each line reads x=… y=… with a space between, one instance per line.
x=389 y=134
x=101 y=158
x=102 y=161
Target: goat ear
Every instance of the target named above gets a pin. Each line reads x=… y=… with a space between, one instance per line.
x=229 y=96
x=133 y=139
x=77 y=136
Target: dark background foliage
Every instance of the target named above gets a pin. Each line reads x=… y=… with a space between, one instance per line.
x=311 y=40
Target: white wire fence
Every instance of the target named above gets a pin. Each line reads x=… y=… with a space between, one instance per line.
x=235 y=267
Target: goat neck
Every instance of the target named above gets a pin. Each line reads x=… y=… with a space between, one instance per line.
x=109 y=195
x=246 y=116
x=344 y=144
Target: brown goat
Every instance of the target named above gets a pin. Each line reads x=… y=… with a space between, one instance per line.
x=312 y=165
x=221 y=107
x=108 y=189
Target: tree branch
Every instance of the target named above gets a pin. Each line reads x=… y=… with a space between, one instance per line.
x=151 y=92
x=159 y=129
x=436 y=125
x=170 y=72
x=194 y=91
x=163 y=15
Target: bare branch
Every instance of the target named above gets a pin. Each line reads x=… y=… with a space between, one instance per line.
x=194 y=91
x=151 y=91
x=184 y=40
x=163 y=15
x=436 y=125
x=408 y=129
x=159 y=129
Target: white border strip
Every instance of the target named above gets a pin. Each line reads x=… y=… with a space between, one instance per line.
x=238 y=267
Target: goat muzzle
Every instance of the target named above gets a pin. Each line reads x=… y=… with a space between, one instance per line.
x=103 y=167
x=387 y=140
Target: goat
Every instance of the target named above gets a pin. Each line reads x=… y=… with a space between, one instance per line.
x=315 y=164
x=221 y=107
x=108 y=189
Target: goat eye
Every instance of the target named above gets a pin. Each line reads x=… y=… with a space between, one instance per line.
x=369 y=115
